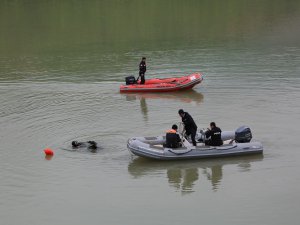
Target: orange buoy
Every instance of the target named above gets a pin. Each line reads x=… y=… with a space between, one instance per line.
x=48 y=151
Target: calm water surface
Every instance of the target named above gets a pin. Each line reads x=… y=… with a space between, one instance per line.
x=61 y=65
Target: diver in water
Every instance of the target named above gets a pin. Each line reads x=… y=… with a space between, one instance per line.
x=89 y=144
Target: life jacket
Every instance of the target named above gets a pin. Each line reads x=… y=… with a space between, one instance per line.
x=171 y=131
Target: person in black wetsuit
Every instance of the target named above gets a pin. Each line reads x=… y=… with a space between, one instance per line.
x=189 y=124
x=88 y=144
x=215 y=135
x=142 y=70
x=172 y=138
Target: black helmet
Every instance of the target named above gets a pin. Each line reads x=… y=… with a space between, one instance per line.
x=75 y=143
x=92 y=144
x=180 y=111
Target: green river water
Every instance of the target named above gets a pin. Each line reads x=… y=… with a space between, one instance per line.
x=61 y=65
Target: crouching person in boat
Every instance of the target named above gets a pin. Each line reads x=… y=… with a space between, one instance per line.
x=214 y=133
x=172 y=138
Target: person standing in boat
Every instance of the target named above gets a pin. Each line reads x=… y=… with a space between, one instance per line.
x=215 y=135
x=172 y=138
x=189 y=124
x=142 y=70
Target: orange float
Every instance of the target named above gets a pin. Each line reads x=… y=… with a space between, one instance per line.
x=48 y=151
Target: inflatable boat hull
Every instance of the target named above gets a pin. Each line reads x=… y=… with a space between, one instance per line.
x=164 y=85
x=152 y=147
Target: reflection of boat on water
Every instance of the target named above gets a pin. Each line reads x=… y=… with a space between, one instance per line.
x=189 y=96
x=182 y=175
x=186 y=97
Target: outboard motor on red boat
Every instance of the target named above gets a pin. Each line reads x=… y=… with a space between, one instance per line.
x=243 y=134
x=130 y=80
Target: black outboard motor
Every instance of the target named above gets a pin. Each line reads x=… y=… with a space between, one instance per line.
x=243 y=134
x=130 y=80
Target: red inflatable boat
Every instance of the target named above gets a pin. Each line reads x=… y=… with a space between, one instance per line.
x=164 y=85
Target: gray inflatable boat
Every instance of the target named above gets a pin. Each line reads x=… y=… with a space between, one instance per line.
x=235 y=143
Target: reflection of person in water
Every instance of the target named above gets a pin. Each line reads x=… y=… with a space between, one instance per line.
x=190 y=96
x=183 y=176
x=215 y=176
x=144 y=108
x=191 y=175
x=183 y=179
x=175 y=177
